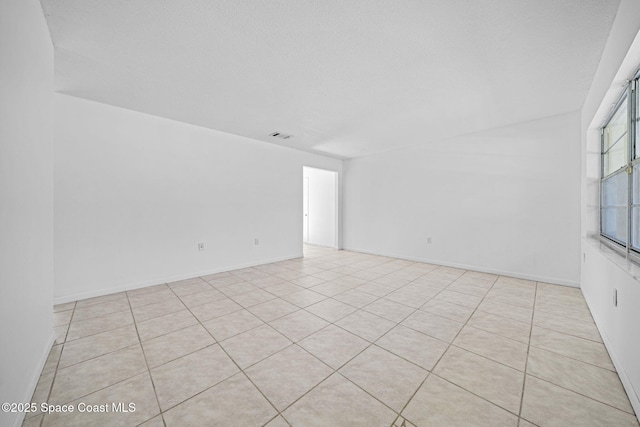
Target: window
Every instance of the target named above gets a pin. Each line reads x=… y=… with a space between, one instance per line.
x=620 y=182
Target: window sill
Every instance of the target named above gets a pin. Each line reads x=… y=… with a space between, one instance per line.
x=623 y=261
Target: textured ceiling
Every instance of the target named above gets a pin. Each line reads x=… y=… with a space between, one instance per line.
x=347 y=78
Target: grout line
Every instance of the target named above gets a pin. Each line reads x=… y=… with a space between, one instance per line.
x=526 y=362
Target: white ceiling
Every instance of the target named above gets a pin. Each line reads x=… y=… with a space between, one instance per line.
x=346 y=77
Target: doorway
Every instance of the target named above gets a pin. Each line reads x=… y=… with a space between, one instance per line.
x=320 y=207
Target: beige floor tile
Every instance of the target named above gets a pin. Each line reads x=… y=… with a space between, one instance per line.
x=522 y=295
x=557 y=308
x=401 y=422
x=238 y=289
x=375 y=289
x=249 y=273
x=97 y=345
x=254 y=345
x=87 y=377
x=250 y=298
x=187 y=376
x=366 y=325
x=163 y=325
x=525 y=423
x=307 y=281
x=387 y=377
x=277 y=422
x=496 y=347
x=510 y=311
x=32 y=421
x=506 y=281
x=499 y=325
x=478 y=289
x=334 y=346
x=64 y=307
x=234 y=402
x=41 y=393
x=298 y=325
x=163 y=294
x=95 y=310
x=137 y=391
x=419 y=291
x=459 y=313
x=331 y=310
x=201 y=298
x=435 y=326
x=284 y=288
x=581 y=349
x=304 y=298
x=390 y=310
x=391 y=281
x=287 y=375
x=120 y=296
x=597 y=383
x=153 y=422
x=189 y=286
x=62 y=317
x=61 y=333
x=466 y=300
x=408 y=299
x=232 y=324
x=220 y=280
x=146 y=312
x=337 y=403
x=414 y=346
x=100 y=324
x=214 y=309
x=440 y=403
x=52 y=360
x=331 y=288
x=148 y=290
x=566 y=325
x=491 y=380
x=272 y=310
x=356 y=298
x=176 y=344
x=548 y=405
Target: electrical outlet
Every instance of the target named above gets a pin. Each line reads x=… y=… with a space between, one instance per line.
x=200 y=247
x=256 y=241
x=428 y=240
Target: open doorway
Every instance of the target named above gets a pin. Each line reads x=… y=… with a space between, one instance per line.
x=320 y=207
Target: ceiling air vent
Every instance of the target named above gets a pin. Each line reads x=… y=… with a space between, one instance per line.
x=281 y=135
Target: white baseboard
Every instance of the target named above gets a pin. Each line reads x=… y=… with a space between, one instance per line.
x=519 y=275
x=33 y=381
x=157 y=281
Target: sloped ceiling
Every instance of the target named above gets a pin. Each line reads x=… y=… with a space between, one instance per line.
x=347 y=78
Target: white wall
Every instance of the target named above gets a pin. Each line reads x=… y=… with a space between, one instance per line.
x=602 y=269
x=136 y=193
x=504 y=200
x=26 y=194
x=322 y=206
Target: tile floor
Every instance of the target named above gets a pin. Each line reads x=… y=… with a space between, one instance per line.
x=334 y=339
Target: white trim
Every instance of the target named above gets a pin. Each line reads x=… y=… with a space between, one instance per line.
x=131 y=286
x=632 y=394
x=33 y=382
x=518 y=275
